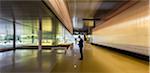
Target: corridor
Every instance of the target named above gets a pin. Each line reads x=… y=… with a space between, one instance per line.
x=96 y=60
x=41 y=36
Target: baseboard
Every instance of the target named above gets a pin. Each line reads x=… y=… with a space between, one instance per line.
x=136 y=55
x=4 y=50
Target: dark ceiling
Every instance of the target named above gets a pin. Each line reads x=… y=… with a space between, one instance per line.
x=23 y=9
x=94 y=9
x=82 y=9
x=108 y=6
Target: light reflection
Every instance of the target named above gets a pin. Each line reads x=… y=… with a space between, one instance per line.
x=75 y=66
x=47 y=50
x=60 y=51
x=60 y=58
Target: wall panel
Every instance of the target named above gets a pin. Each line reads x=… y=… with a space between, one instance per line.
x=128 y=30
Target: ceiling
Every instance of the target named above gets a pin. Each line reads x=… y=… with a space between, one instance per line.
x=78 y=10
x=27 y=11
x=92 y=9
x=23 y=11
x=60 y=9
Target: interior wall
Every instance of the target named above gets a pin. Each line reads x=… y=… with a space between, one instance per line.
x=128 y=30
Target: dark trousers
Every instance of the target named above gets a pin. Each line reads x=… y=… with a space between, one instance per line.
x=81 y=51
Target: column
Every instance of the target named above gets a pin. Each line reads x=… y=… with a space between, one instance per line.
x=40 y=34
x=14 y=33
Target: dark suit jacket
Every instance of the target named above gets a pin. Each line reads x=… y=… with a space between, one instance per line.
x=80 y=43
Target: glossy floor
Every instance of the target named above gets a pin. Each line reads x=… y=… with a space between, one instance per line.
x=96 y=60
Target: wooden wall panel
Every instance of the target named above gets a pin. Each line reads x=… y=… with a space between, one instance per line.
x=127 y=29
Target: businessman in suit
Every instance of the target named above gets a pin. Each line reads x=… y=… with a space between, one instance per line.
x=81 y=47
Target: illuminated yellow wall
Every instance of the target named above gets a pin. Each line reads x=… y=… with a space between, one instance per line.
x=89 y=23
x=130 y=28
x=47 y=24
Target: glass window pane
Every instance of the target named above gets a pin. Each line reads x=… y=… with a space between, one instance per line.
x=6 y=34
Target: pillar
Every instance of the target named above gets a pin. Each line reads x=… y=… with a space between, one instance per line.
x=40 y=34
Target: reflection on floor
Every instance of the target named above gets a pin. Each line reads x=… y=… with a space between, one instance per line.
x=96 y=60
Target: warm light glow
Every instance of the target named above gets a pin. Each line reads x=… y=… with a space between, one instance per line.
x=89 y=23
x=61 y=11
x=47 y=24
x=60 y=51
x=128 y=28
